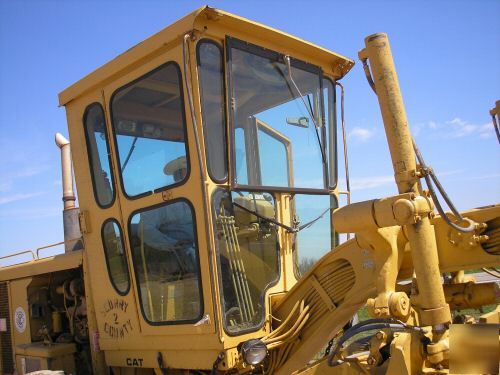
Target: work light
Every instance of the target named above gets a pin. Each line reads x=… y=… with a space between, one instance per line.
x=253 y=351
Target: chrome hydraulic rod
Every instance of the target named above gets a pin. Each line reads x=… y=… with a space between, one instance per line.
x=434 y=310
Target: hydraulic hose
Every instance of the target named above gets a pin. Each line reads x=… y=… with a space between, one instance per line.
x=368 y=325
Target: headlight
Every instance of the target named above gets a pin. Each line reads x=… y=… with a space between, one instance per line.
x=253 y=351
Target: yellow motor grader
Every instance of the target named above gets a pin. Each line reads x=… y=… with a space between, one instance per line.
x=206 y=240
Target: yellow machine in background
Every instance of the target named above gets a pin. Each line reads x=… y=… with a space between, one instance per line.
x=197 y=155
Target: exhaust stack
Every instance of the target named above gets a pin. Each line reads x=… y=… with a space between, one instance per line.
x=72 y=233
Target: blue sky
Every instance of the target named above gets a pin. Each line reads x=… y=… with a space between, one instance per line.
x=446 y=54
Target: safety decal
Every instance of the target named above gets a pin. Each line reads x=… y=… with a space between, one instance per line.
x=20 y=319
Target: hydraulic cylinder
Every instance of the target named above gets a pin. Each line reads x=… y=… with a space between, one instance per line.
x=433 y=307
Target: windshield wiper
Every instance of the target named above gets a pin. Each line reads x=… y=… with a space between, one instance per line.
x=323 y=156
x=289 y=229
x=309 y=108
x=262 y=217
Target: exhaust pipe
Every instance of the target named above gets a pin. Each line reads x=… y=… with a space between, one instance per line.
x=72 y=232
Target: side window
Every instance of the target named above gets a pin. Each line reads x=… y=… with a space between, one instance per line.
x=211 y=77
x=310 y=244
x=116 y=259
x=165 y=254
x=248 y=256
x=99 y=156
x=150 y=131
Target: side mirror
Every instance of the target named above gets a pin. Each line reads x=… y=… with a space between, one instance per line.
x=302 y=122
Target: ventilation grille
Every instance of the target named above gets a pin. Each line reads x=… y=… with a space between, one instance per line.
x=6 y=355
x=33 y=364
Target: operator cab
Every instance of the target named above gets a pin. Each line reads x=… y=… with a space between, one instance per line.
x=197 y=158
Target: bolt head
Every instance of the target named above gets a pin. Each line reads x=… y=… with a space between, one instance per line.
x=371 y=361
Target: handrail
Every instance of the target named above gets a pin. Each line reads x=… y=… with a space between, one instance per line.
x=29 y=251
x=46 y=247
x=34 y=254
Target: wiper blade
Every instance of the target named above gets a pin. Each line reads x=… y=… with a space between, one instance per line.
x=262 y=217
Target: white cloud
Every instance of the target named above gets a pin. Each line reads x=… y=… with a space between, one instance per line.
x=363 y=134
x=372 y=182
x=486 y=131
x=460 y=128
x=485 y=177
x=9 y=178
x=361 y=183
x=455 y=128
x=482 y=177
x=31 y=213
x=18 y=197
x=417 y=128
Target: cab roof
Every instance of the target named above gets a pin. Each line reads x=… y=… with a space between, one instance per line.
x=172 y=34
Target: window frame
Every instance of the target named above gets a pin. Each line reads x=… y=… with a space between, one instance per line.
x=334 y=129
x=115 y=221
x=91 y=159
x=185 y=126
x=224 y=107
x=219 y=267
x=231 y=42
x=196 y=242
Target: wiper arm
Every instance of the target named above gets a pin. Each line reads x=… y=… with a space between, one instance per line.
x=323 y=156
x=295 y=229
x=262 y=217
x=130 y=151
x=308 y=107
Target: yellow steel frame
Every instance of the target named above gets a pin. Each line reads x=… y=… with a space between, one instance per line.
x=395 y=236
x=98 y=87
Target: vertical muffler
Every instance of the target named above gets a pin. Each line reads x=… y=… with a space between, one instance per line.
x=72 y=233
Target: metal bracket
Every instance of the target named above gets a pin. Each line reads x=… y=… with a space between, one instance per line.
x=322 y=293
x=83 y=219
x=410 y=176
x=203 y=321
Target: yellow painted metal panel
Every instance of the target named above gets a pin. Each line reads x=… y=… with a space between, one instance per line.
x=46 y=265
x=338 y=65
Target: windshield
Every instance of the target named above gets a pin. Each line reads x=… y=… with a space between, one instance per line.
x=278 y=132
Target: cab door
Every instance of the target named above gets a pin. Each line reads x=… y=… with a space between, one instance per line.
x=108 y=285
x=161 y=200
